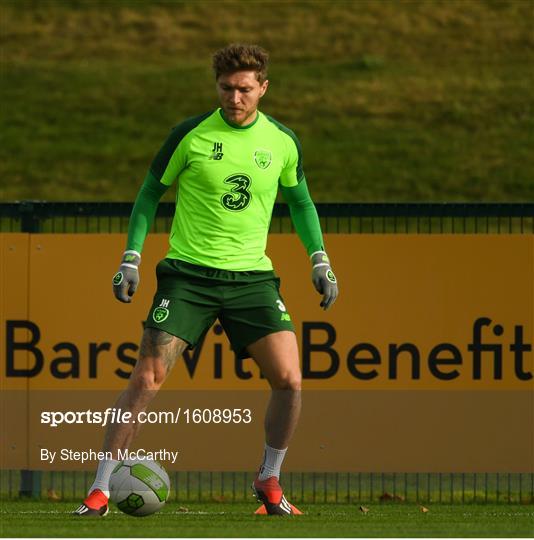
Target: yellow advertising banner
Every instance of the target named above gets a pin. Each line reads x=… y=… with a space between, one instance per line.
x=424 y=363
x=415 y=312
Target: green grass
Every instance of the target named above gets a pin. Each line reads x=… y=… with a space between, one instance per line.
x=393 y=101
x=34 y=519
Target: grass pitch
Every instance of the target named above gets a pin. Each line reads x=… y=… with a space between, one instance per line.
x=38 y=519
x=392 y=101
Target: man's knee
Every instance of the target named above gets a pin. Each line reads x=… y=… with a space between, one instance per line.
x=147 y=380
x=289 y=380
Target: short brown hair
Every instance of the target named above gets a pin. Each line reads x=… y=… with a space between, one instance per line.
x=241 y=57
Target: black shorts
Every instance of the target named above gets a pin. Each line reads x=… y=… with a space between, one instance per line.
x=190 y=298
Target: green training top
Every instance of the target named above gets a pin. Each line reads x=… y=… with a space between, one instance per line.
x=228 y=178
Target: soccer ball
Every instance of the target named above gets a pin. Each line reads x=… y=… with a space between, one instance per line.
x=139 y=487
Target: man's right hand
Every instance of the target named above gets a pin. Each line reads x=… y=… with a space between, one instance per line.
x=126 y=280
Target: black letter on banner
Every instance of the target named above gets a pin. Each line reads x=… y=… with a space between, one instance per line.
x=477 y=348
x=94 y=349
x=353 y=360
x=12 y=346
x=326 y=347
x=73 y=361
x=217 y=361
x=191 y=360
x=217 y=354
x=434 y=361
x=394 y=351
x=130 y=360
x=240 y=370
x=518 y=348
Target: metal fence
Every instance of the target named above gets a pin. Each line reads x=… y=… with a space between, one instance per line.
x=341 y=488
x=352 y=218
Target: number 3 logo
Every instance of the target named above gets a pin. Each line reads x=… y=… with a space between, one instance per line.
x=239 y=197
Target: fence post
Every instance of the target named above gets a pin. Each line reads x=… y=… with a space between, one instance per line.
x=29 y=222
x=30 y=481
x=30 y=484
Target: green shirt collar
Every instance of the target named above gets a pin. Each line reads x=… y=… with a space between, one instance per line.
x=237 y=126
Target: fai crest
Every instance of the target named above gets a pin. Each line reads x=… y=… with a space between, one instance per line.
x=160 y=314
x=262 y=158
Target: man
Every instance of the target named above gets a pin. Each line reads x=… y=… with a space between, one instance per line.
x=228 y=164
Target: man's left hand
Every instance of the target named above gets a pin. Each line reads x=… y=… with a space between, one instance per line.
x=324 y=279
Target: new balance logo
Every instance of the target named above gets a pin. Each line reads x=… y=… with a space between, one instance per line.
x=217 y=151
x=164 y=303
